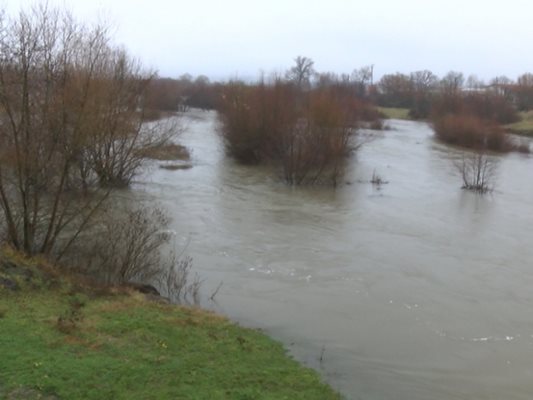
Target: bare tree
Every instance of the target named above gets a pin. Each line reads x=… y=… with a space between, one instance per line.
x=117 y=131
x=423 y=81
x=363 y=78
x=452 y=82
x=308 y=134
x=314 y=148
x=301 y=72
x=125 y=245
x=501 y=80
x=477 y=171
x=128 y=246
x=70 y=113
x=523 y=91
x=474 y=83
x=395 y=90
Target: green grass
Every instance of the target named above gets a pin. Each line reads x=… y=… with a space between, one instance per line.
x=524 y=126
x=122 y=346
x=394 y=113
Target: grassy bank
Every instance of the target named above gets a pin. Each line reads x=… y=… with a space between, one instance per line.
x=394 y=113
x=62 y=341
x=523 y=127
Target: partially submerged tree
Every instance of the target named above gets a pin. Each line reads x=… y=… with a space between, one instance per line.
x=477 y=170
x=472 y=132
x=307 y=133
x=314 y=148
x=71 y=110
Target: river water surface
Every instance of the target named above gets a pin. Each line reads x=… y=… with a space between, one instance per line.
x=414 y=290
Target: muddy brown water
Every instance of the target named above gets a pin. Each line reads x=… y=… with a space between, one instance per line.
x=413 y=290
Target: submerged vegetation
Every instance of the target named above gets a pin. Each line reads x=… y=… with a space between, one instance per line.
x=166 y=152
x=71 y=112
x=477 y=171
x=307 y=132
x=472 y=132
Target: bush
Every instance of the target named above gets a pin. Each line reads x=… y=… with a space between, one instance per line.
x=125 y=246
x=314 y=149
x=254 y=117
x=306 y=132
x=131 y=246
x=487 y=106
x=365 y=111
x=472 y=132
x=477 y=171
x=491 y=107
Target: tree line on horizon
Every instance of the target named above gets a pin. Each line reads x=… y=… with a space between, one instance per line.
x=305 y=122
x=464 y=111
x=415 y=91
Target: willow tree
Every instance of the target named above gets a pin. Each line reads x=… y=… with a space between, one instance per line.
x=70 y=126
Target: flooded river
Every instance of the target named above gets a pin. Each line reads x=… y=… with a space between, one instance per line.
x=414 y=290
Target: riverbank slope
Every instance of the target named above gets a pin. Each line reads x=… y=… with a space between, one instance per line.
x=65 y=340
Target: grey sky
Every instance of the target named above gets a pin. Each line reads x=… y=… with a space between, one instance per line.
x=226 y=38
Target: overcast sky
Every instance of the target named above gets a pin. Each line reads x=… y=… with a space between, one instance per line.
x=228 y=38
